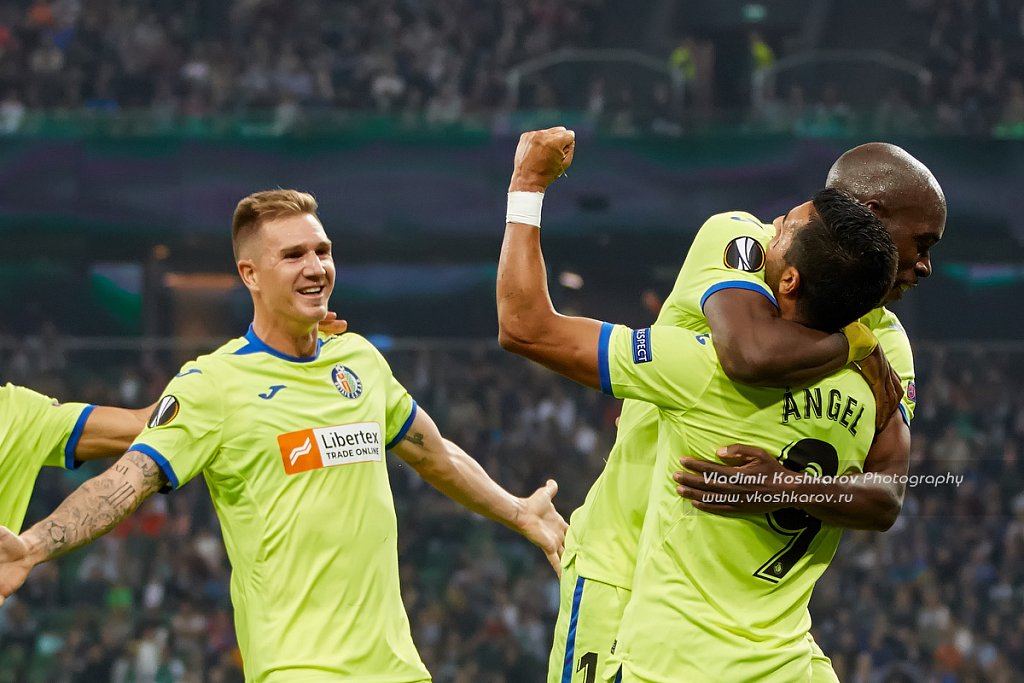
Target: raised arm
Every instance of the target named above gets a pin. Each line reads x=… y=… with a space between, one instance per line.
x=110 y=431
x=451 y=470
x=528 y=324
x=96 y=507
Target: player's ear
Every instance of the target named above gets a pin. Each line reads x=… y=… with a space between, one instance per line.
x=876 y=207
x=789 y=281
x=247 y=271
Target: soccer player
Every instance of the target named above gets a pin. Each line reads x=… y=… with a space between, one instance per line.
x=290 y=430
x=37 y=431
x=723 y=277
x=701 y=409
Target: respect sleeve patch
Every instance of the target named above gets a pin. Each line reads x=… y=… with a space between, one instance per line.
x=642 y=346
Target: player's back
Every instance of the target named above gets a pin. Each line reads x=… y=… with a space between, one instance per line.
x=604 y=532
x=299 y=481
x=721 y=598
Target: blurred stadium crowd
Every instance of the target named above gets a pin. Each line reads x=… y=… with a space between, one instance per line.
x=447 y=62
x=937 y=599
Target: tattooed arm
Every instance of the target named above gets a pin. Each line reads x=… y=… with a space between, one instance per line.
x=454 y=473
x=96 y=507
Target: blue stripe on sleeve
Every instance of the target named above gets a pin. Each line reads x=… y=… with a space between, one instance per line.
x=602 y=358
x=76 y=434
x=570 y=639
x=404 y=429
x=161 y=461
x=737 y=284
x=903 y=412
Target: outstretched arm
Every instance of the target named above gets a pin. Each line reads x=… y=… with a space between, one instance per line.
x=110 y=431
x=96 y=507
x=454 y=473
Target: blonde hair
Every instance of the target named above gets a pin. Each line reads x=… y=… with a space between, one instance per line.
x=267 y=205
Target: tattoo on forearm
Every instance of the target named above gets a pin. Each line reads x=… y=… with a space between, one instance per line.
x=100 y=504
x=416 y=438
x=57 y=533
x=122 y=495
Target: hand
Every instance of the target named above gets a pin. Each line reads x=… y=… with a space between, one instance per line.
x=757 y=468
x=541 y=156
x=331 y=325
x=540 y=522
x=14 y=562
x=885 y=385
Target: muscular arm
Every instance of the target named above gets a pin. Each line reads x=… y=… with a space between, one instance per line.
x=528 y=324
x=860 y=501
x=755 y=346
x=870 y=502
x=96 y=507
x=451 y=470
x=110 y=431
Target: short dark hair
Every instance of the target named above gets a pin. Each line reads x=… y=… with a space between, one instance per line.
x=846 y=260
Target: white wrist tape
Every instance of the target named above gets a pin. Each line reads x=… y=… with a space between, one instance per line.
x=524 y=207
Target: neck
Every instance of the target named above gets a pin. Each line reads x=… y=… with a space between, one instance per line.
x=789 y=310
x=288 y=337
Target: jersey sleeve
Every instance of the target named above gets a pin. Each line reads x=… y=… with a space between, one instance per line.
x=46 y=429
x=896 y=345
x=667 y=366
x=400 y=408
x=185 y=430
x=728 y=252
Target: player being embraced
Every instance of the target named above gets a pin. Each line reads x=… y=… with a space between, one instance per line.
x=715 y=598
x=289 y=430
x=723 y=277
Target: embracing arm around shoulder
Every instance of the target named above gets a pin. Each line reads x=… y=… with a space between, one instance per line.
x=755 y=346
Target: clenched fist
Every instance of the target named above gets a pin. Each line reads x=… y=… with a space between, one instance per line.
x=542 y=156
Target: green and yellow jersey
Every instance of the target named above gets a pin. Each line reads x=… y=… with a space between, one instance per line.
x=727 y=253
x=720 y=598
x=292 y=451
x=35 y=431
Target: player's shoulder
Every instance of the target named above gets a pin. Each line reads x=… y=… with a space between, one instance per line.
x=14 y=396
x=736 y=221
x=346 y=342
x=349 y=347
x=882 y=320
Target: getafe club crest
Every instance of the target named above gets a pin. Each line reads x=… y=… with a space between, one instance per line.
x=347 y=382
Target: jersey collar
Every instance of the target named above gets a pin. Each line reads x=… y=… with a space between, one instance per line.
x=256 y=345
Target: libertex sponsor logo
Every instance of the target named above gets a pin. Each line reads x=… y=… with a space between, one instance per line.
x=311 y=449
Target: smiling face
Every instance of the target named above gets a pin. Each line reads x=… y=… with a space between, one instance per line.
x=289 y=268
